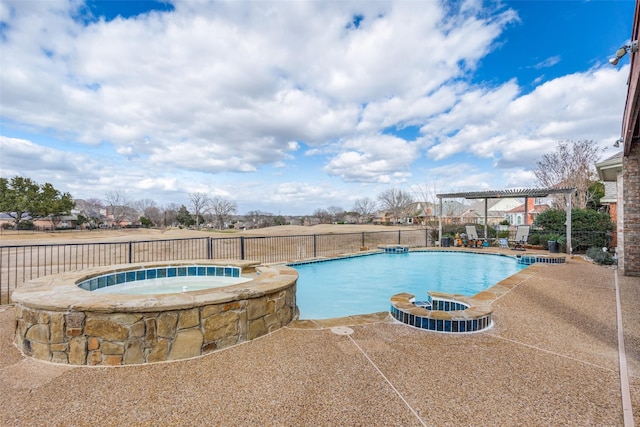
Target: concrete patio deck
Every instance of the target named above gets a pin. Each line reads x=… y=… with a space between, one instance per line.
x=551 y=359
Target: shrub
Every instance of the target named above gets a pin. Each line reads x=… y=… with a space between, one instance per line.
x=600 y=257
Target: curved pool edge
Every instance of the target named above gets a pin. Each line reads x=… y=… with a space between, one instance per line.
x=476 y=317
x=59 y=322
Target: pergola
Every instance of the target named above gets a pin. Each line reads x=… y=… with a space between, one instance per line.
x=499 y=194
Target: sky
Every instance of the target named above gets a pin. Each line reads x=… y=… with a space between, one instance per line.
x=291 y=106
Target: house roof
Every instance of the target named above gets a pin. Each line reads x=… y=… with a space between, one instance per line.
x=608 y=168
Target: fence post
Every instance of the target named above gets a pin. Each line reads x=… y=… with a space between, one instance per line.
x=241 y=247
x=399 y=240
x=315 y=246
x=209 y=248
x=362 y=239
x=130 y=252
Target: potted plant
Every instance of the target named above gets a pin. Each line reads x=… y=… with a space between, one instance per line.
x=554 y=246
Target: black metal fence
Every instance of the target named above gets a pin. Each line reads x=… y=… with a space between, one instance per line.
x=21 y=263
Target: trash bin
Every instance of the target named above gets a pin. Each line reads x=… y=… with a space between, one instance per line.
x=446 y=242
x=554 y=247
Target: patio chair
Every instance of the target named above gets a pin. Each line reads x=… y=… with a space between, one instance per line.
x=472 y=236
x=522 y=236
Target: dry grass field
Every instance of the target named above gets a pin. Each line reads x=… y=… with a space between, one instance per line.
x=10 y=237
x=26 y=255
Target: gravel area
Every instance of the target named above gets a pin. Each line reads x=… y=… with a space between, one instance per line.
x=551 y=360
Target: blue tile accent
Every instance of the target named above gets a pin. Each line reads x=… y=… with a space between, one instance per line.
x=120 y=278
x=131 y=276
x=447 y=325
x=172 y=272
x=182 y=271
x=219 y=271
x=102 y=282
x=152 y=273
x=111 y=280
x=202 y=271
x=211 y=271
x=162 y=273
x=227 y=272
x=141 y=274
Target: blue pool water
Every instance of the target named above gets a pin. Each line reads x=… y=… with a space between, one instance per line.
x=364 y=284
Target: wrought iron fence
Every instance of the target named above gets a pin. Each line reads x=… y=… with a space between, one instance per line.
x=21 y=263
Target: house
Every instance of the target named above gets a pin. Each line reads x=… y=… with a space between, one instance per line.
x=496 y=210
x=516 y=216
x=628 y=183
x=610 y=172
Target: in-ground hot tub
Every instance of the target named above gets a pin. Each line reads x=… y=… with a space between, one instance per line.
x=70 y=318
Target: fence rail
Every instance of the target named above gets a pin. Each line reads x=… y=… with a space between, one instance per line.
x=21 y=263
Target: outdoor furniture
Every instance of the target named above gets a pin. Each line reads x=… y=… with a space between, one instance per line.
x=472 y=236
x=522 y=236
x=504 y=243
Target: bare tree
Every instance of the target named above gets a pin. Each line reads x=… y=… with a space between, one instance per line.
x=200 y=205
x=91 y=209
x=336 y=212
x=170 y=214
x=365 y=208
x=222 y=210
x=118 y=205
x=323 y=215
x=572 y=165
x=395 y=201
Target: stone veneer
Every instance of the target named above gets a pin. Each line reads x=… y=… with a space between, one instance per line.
x=56 y=321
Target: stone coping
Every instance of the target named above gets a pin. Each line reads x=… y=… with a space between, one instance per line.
x=59 y=292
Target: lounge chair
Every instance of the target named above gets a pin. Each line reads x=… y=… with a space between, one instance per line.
x=522 y=236
x=472 y=236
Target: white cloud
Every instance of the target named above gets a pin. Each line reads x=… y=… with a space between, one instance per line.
x=213 y=94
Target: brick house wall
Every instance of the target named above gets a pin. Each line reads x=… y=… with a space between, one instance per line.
x=631 y=222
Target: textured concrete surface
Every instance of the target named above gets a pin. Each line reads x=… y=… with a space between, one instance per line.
x=551 y=359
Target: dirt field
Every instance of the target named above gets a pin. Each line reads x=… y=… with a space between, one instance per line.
x=10 y=237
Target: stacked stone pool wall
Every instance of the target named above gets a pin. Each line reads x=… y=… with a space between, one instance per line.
x=59 y=322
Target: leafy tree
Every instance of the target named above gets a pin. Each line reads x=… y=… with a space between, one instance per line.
x=146 y=222
x=596 y=190
x=183 y=217
x=21 y=197
x=588 y=227
x=572 y=165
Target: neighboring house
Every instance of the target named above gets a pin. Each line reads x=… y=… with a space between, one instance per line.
x=8 y=221
x=628 y=208
x=384 y=218
x=312 y=220
x=497 y=210
x=421 y=213
x=610 y=172
x=516 y=216
x=56 y=222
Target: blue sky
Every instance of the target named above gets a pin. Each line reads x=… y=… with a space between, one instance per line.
x=292 y=106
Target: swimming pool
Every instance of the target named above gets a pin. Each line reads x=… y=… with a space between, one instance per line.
x=364 y=284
